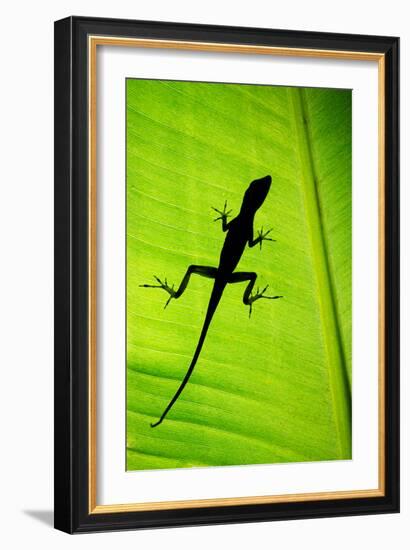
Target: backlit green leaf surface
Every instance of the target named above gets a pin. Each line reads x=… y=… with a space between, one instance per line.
x=275 y=387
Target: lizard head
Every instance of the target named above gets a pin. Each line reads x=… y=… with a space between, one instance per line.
x=256 y=194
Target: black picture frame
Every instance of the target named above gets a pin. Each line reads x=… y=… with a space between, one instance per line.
x=72 y=512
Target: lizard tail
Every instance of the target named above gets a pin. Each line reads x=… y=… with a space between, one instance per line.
x=213 y=303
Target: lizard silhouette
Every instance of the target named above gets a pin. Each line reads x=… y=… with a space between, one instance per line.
x=240 y=233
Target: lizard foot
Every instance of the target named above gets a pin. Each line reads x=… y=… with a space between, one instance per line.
x=223 y=214
x=164 y=285
x=260 y=294
x=263 y=236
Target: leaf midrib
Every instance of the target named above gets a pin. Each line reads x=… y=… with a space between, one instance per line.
x=336 y=362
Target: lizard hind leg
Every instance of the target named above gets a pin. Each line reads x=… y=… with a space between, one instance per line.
x=248 y=297
x=202 y=270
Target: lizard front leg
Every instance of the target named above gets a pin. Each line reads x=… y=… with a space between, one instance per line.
x=202 y=270
x=248 y=298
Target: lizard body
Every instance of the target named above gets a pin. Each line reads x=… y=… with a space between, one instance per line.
x=239 y=234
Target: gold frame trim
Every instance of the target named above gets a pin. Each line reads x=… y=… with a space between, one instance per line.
x=93 y=42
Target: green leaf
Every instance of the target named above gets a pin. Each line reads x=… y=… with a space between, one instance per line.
x=275 y=387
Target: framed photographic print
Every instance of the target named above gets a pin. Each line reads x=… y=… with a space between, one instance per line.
x=226 y=274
